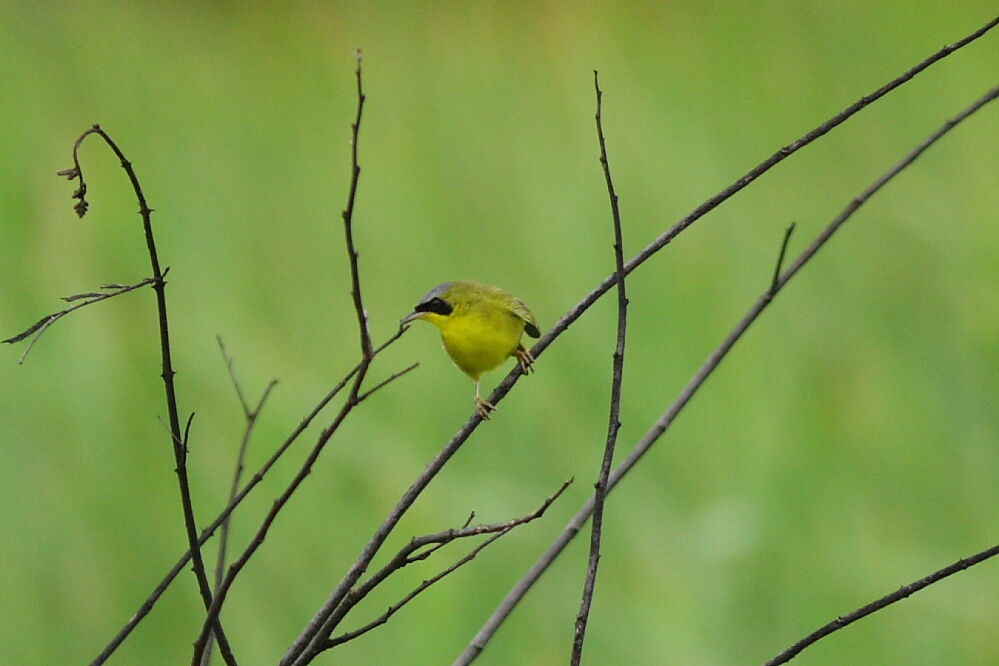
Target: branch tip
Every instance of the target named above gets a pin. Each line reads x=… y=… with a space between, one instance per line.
x=780 y=258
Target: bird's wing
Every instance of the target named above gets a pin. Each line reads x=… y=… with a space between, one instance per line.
x=530 y=325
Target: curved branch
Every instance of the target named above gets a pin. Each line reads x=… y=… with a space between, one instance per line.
x=176 y=435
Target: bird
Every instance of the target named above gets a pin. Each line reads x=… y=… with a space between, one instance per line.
x=481 y=326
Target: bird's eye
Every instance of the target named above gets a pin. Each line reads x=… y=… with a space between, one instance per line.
x=435 y=305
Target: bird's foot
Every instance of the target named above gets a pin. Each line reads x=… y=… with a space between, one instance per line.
x=484 y=407
x=525 y=359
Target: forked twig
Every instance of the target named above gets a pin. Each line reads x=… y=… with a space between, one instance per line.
x=250 y=415
x=384 y=617
x=409 y=554
x=505 y=607
x=498 y=530
x=42 y=325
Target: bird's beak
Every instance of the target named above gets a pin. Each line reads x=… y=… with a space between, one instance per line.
x=411 y=317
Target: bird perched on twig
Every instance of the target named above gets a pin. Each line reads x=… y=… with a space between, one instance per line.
x=480 y=327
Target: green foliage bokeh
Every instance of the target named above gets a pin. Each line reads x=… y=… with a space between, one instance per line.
x=846 y=447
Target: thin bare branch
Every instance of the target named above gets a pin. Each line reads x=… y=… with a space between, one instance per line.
x=430 y=551
x=43 y=324
x=167 y=374
x=77 y=297
x=887 y=600
x=348 y=218
x=617 y=374
x=505 y=607
x=232 y=377
x=313 y=635
x=390 y=378
x=250 y=417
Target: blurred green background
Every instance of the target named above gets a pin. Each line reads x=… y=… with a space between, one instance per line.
x=847 y=446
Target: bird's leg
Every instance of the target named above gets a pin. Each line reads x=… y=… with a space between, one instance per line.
x=525 y=359
x=484 y=406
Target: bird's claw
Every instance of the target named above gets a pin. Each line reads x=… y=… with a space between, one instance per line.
x=484 y=407
x=525 y=359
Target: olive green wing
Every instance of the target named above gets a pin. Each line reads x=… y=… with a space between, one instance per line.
x=530 y=325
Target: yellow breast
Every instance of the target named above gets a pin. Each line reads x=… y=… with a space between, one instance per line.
x=478 y=339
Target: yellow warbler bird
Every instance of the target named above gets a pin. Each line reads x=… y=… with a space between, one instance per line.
x=480 y=327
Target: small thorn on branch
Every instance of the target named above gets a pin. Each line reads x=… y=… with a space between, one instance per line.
x=780 y=258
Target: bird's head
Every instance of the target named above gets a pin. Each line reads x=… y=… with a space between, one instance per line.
x=435 y=306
